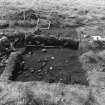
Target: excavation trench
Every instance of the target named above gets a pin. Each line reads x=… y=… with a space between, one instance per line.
x=51 y=64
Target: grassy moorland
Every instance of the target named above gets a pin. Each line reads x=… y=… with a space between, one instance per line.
x=53 y=76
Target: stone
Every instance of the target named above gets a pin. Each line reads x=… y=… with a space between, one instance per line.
x=51 y=68
x=52 y=57
x=44 y=50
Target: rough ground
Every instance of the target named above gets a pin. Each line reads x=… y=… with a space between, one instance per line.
x=54 y=65
x=64 y=67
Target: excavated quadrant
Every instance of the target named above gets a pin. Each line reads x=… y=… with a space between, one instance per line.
x=52 y=65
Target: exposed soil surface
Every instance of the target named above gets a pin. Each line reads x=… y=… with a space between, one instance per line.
x=52 y=65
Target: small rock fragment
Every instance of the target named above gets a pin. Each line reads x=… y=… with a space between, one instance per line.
x=23 y=62
x=32 y=70
x=44 y=64
x=51 y=68
x=39 y=70
x=52 y=57
x=44 y=50
x=30 y=53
